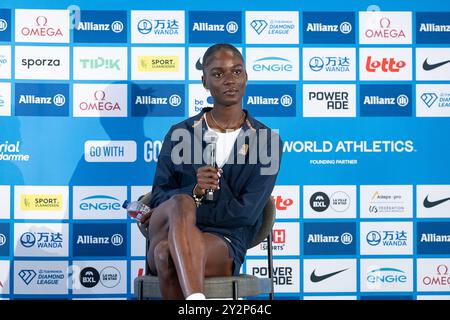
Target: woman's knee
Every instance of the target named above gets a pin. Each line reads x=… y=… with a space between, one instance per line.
x=161 y=256
x=183 y=206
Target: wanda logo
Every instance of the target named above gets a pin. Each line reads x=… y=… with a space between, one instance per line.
x=384 y=65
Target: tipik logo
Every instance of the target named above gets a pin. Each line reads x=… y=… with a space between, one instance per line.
x=430 y=204
x=316 y=278
x=27 y=276
x=429 y=98
x=258 y=25
x=428 y=67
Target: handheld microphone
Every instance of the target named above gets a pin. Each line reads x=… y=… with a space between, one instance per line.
x=211 y=140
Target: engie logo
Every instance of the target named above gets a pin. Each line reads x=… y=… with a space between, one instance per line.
x=157 y=26
x=106 y=239
x=39 y=99
x=386 y=238
x=385 y=64
x=433 y=237
x=286 y=273
x=391 y=275
x=101 y=27
x=110 y=151
x=329 y=238
x=271 y=100
x=157 y=100
x=385 y=27
x=42 y=26
x=100 y=100
x=100 y=202
x=271 y=27
x=4 y=240
x=208 y=26
x=40 y=277
x=48 y=63
x=329 y=27
x=433 y=27
x=272 y=64
x=329 y=100
x=340 y=65
x=5 y=25
x=287 y=201
x=433 y=100
x=100 y=63
x=384 y=100
x=41 y=239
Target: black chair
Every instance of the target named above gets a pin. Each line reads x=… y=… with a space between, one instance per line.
x=243 y=285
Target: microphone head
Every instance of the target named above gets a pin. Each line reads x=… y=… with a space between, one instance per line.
x=210 y=137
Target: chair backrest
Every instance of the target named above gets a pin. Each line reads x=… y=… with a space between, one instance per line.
x=269 y=213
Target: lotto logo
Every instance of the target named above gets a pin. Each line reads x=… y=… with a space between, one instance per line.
x=386 y=65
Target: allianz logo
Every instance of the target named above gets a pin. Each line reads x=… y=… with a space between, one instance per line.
x=58 y=99
x=346 y=238
x=402 y=100
x=100 y=203
x=387 y=275
x=116 y=26
x=285 y=100
x=345 y=27
x=230 y=27
x=174 y=100
x=272 y=64
x=115 y=240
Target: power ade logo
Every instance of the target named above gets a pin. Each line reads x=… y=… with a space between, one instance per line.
x=37 y=99
x=5 y=25
x=108 y=277
x=433 y=27
x=272 y=27
x=42 y=26
x=285 y=273
x=385 y=27
x=208 y=26
x=337 y=66
x=271 y=100
x=157 y=100
x=157 y=26
x=329 y=27
x=4 y=239
x=101 y=27
x=329 y=238
x=385 y=100
x=433 y=237
x=329 y=100
x=107 y=239
x=385 y=64
x=97 y=100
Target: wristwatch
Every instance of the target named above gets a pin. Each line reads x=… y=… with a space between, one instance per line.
x=198 y=200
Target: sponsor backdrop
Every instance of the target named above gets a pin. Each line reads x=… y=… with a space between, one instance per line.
x=359 y=91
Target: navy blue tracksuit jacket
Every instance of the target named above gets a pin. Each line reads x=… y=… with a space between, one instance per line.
x=235 y=214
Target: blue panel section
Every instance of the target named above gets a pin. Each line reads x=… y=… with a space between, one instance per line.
x=383 y=100
x=276 y=100
x=39 y=99
x=433 y=27
x=157 y=100
x=329 y=27
x=102 y=239
x=101 y=27
x=328 y=238
x=215 y=26
x=433 y=237
x=4 y=239
x=5 y=25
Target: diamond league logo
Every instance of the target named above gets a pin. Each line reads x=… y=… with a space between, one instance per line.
x=27 y=275
x=258 y=25
x=429 y=98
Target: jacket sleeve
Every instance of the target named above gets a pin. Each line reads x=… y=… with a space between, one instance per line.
x=166 y=182
x=245 y=208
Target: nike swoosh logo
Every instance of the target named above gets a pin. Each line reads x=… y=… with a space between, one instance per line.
x=199 y=65
x=430 y=204
x=428 y=67
x=315 y=278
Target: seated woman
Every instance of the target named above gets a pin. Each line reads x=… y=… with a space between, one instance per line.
x=191 y=237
